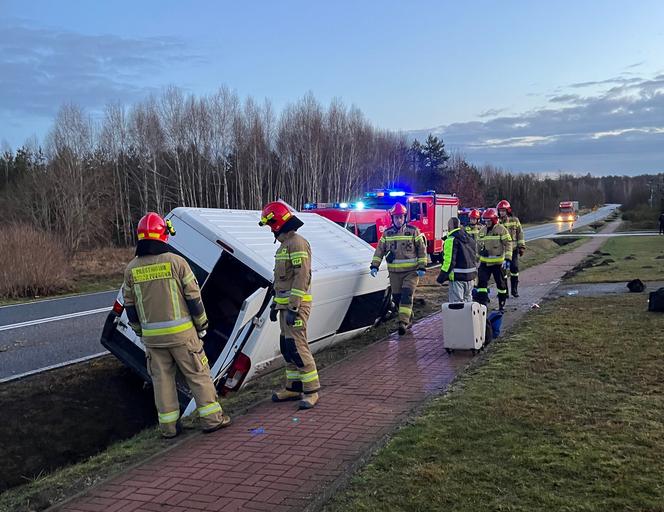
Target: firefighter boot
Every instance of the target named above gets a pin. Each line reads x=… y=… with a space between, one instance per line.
x=308 y=401
x=171 y=435
x=501 y=303
x=286 y=396
x=402 y=328
x=225 y=421
x=514 y=285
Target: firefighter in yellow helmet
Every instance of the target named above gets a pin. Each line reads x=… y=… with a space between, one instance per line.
x=292 y=304
x=164 y=307
x=404 y=249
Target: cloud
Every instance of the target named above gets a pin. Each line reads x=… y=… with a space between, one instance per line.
x=42 y=68
x=492 y=112
x=620 y=130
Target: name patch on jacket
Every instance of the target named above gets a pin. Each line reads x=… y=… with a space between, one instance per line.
x=152 y=272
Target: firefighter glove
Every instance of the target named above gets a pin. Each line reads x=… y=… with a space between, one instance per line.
x=522 y=249
x=506 y=265
x=291 y=316
x=442 y=277
x=273 y=312
x=420 y=273
x=201 y=334
x=374 y=271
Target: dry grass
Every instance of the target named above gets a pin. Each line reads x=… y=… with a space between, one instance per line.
x=32 y=263
x=99 y=269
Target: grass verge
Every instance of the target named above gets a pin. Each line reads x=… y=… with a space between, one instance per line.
x=542 y=250
x=567 y=414
x=623 y=258
x=90 y=271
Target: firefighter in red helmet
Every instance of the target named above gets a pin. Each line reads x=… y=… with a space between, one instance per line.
x=494 y=246
x=164 y=307
x=404 y=248
x=473 y=227
x=292 y=304
x=513 y=225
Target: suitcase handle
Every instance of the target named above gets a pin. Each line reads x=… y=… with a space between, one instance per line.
x=456 y=305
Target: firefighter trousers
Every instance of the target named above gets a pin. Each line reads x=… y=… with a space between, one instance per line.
x=301 y=371
x=192 y=362
x=484 y=273
x=514 y=270
x=403 y=286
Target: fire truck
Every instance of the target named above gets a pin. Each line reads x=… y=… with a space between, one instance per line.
x=568 y=211
x=369 y=218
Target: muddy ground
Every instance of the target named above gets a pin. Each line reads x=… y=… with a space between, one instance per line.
x=66 y=415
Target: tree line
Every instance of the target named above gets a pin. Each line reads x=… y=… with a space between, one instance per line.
x=91 y=181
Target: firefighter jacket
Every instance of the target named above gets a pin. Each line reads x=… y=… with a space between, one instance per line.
x=494 y=245
x=473 y=229
x=459 y=256
x=292 y=272
x=163 y=300
x=513 y=225
x=404 y=249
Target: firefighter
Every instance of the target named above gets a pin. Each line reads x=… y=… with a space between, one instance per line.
x=473 y=227
x=459 y=258
x=518 y=242
x=164 y=307
x=494 y=246
x=292 y=304
x=404 y=249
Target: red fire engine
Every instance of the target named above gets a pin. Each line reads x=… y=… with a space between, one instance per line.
x=368 y=218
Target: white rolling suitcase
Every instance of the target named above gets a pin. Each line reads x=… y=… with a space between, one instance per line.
x=464 y=326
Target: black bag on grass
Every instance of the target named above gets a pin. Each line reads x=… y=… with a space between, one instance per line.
x=656 y=301
x=636 y=286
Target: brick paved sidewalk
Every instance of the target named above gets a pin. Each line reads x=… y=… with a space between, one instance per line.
x=279 y=459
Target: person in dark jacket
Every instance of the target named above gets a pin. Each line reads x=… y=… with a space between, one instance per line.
x=459 y=260
x=661 y=224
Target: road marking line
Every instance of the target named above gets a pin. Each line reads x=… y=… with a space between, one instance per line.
x=53 y=367
x=63 y=298
x=53 y=319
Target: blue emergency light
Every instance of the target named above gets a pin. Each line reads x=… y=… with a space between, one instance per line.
x=397 y=193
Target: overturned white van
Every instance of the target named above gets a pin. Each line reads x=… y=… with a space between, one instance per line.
x=232 y=258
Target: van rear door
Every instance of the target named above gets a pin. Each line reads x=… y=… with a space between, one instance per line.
x=250 y=317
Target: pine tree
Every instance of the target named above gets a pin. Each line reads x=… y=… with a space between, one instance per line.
x=430 y=162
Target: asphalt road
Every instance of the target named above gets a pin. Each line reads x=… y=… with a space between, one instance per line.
x=39 y=334
x=546 y=230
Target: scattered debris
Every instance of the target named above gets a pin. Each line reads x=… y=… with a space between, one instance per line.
x=630 y=257
x=295 y=420
x=256 y=431
x=573 y=292
x=535 y=306
x=660 y=257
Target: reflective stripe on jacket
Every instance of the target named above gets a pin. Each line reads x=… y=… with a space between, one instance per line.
x=292 y=272
x=407 y=247
x=459 y=256
x=163 y=300
x=513 y=225
x=494 y=245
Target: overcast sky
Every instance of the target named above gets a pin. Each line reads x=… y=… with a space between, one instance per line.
x=528 y=86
